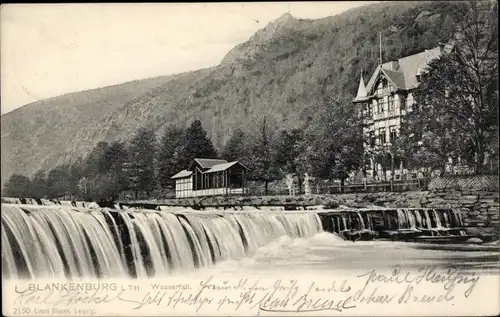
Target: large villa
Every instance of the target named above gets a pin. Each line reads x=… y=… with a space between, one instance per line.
x=387 y=97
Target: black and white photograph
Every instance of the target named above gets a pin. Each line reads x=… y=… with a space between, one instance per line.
x=250 y=159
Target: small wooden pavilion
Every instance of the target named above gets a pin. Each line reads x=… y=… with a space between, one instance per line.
x=211 y=177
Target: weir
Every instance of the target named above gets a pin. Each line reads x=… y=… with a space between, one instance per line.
x=77 y=239
x=415 y=224
x=62 y=241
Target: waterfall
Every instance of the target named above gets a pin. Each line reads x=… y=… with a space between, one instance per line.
x=446 y=219
x=438 y=220
x=418 y=218
x=401 y=219
x=427 y=219
x=361 y=221
x=411 y=219
x=64 y=241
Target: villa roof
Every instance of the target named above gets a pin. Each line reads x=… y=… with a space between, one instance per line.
x=403 y=72
x=397 y=78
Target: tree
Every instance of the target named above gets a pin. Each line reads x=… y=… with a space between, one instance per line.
x=336 y=140
x=169 y=155
x=458 y=95
x=290 y=154
x=196 y=144
x=18 y=186
x=39 y=184
x=260 y=159
x=115 y=156
x=58 y=181
x=235 y=148
x=96 y=161
x=76 y=171
x=140 y=167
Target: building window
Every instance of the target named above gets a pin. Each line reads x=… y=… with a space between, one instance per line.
x=381 y=86
x=380 y=106
x=391 y=103
x=409 y=101
x=367 y=111
x=381 y=136
x=371 y=138
x=402 y=102
x=392 y=133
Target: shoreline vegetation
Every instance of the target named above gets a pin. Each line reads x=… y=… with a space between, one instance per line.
x=297 y=118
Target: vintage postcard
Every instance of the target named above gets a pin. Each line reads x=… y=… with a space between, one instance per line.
x=250 y=159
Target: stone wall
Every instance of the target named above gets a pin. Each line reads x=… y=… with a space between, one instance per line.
x=480 y=208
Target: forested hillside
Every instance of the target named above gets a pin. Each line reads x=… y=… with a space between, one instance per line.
x=286 y=73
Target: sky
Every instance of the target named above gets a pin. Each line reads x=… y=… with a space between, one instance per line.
x=51 y=49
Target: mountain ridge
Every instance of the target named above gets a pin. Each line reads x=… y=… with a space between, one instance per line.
x=282 y=72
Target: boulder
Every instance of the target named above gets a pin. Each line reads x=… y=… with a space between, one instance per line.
x=474 y=240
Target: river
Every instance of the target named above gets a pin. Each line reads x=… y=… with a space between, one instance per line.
x=221 y=258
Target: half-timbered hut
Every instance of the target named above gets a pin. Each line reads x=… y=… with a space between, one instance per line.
x=211 y=177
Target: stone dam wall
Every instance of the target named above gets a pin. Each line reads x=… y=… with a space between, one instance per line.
x=480 y=209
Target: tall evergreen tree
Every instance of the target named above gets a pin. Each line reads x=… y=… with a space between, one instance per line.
x=196 y=144
x=236 y=148
x=115 y=156
x=141 y=161
x=260 y=160
x=96 y=161
x=169 y=155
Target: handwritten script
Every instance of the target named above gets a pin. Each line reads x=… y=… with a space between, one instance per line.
x=425 y=285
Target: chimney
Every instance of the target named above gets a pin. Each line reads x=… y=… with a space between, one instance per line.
x=392 y=65
x=441 y=47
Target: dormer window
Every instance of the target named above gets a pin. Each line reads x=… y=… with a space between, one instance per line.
x=381 y=86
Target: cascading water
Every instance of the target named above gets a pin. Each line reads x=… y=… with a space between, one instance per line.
x=64 y=241
x=361 y=221
x=438 y=220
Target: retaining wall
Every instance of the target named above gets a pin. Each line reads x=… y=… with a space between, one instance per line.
x=481 y=208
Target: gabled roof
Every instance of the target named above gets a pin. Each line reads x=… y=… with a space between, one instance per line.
x=181 y=174
x=371 y=82
x=207 y=163
x=214 y=168
x=409 y=65
x=397 y=78
x=403 y=72
x=224 y=166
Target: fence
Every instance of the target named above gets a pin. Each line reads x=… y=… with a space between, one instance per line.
x=460 y=182
x=329 y=188
x=389 y=186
